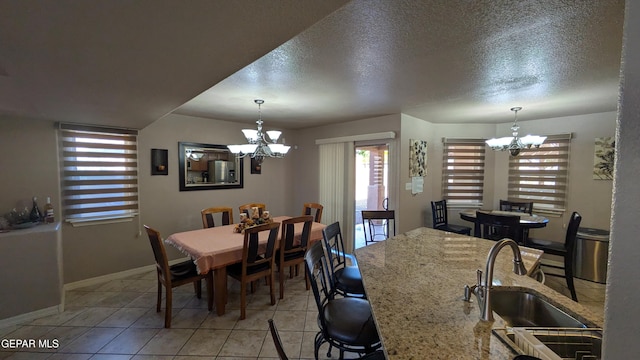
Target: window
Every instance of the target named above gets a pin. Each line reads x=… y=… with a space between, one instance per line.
x=463 y=172
x=540 y=175
x=99 y=173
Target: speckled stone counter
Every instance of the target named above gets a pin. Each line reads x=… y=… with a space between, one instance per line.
x=415 y=284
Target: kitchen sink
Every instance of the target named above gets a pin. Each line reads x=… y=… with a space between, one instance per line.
x=525 y=308
x=558 y=343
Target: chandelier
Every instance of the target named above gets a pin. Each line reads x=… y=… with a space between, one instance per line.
x=513 y=143
x=258 y=147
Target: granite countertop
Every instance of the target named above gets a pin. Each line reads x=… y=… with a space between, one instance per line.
x=415 y=284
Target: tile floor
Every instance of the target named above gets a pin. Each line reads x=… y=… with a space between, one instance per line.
x=117 y=320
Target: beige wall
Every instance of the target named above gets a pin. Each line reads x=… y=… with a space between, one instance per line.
x=28 y=160
x=591 y=198
x=29 y=167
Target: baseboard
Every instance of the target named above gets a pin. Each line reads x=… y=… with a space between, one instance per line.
x=30 y=316
x=53 y=310
x=114 y=276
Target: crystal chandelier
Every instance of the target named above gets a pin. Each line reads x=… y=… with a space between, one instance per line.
x=513 y=143
x=258 y=146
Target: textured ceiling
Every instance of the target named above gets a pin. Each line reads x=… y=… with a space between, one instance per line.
x=313 y=62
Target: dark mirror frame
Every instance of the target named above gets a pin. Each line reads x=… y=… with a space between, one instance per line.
x=182 y=169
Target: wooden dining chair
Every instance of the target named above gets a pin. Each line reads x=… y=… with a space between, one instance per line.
x=255 y=266
x=246 y=208
x=291 y=252
x=440 y=217
x=565 y=250
x=378 y=224
x=517 y=206
x=314 y=209
x=175 y=275
x=208 y=220
x=497 y=227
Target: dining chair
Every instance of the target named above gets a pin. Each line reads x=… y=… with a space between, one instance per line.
x=517 y=206
x=246 y=208
x=291 y=252
x=497 y=227
x=314 y=209
x=208 y=221
x=345 y=277
x=255 y=266
x=440 y=217
x=175 y=275
x=565 y=250
x=345 y=322
x=378 y=224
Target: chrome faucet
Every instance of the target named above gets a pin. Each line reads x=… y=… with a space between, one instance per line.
x=483 y=291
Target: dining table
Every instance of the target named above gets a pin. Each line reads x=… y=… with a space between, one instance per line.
x=527 y=221
x=213 y=249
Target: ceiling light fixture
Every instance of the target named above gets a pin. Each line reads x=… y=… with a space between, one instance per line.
x=513 y=143
x=258 y=146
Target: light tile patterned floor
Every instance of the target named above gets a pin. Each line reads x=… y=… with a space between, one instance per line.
x=117 y=320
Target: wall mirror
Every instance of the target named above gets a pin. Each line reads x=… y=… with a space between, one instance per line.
x=208 y=167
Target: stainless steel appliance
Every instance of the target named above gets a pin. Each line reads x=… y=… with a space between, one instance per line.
x=222 y=171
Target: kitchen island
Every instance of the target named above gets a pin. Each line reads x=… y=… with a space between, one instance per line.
x=415 y=283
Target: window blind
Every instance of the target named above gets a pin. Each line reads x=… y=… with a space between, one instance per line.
x=463 y=171
x=540 y=175
x=99 y=172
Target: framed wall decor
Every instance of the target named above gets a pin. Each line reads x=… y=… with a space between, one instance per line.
x=603 y=158
x=159 y=162
x=417 y=158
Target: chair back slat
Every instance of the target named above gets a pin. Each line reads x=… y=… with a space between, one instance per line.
x=517 y=206
x=332 y=237
x=288 y=232
x=439 y=213
x=318 y=270
x=314 y=209
x=208 y=221
x=497 y=227
x=251 y=247
x=246 y=208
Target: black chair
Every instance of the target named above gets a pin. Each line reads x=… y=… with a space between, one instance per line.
x=313 y=209
x=255 y=266
x=208 y=221
x=565 y=250
x=376 y=355
x=346 y=278
x=497 y=227
x=175 y=275
x=290 y=253
x=345 y=322
x=378 y=224
x=441 y=219
x=517 y=206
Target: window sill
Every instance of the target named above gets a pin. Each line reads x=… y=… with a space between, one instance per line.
x=101 y=221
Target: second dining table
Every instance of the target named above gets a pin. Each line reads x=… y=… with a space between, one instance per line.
x=213 y=249
x=526 y=221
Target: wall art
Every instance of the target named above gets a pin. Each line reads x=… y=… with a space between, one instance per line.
x=603 y=158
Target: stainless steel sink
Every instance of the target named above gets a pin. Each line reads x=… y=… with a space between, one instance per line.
x=525 y=308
